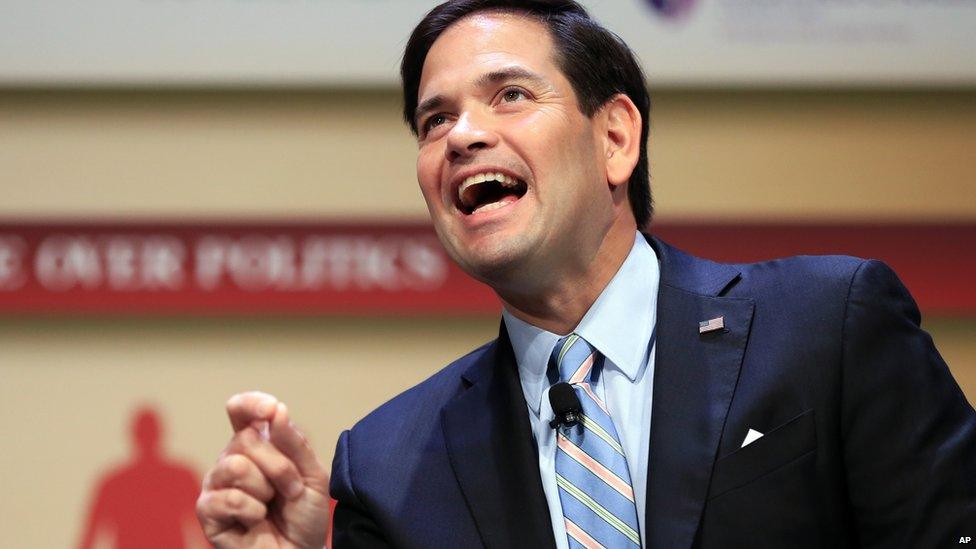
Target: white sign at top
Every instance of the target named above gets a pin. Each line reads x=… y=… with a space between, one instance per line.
x=359 y=42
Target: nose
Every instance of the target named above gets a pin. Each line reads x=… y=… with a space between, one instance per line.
x=469 y=135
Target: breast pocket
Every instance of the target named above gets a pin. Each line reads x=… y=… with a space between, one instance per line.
x=775 y=449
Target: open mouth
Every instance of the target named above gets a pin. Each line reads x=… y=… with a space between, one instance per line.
x=489 y=191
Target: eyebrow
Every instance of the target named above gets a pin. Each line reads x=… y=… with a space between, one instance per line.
x=493 y=77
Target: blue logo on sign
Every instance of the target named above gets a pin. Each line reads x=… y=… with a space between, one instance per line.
x=671 y=8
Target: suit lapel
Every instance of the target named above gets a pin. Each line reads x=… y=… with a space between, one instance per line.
x=494 y=456
x=694 y=378
x=490 y=443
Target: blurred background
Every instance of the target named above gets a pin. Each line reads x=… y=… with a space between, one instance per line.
x=204 y=197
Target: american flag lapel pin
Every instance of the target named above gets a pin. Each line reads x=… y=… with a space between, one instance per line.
x=715 y=324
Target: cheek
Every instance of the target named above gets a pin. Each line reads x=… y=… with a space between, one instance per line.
x=552 y=140
x=537 y=129
x=538 y=143
x=428 y=175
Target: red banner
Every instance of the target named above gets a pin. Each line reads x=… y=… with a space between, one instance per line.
x=360 y=269
x=937 y=262
x=232 y=268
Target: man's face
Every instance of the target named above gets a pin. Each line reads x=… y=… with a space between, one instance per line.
x=494 y=106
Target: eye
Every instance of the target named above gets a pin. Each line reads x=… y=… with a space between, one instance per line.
x=434 y=121
x=511 y=95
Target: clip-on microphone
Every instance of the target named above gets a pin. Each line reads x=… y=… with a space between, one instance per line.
x=565 y=405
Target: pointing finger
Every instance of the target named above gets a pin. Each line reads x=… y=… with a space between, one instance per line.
x=243 y=409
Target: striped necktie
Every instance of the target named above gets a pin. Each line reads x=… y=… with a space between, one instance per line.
x=591 y=468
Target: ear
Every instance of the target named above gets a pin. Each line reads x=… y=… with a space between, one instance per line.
x=622 y=138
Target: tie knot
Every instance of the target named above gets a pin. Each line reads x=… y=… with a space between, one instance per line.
x=573 y=358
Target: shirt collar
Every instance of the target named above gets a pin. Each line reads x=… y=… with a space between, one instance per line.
x=619 y=324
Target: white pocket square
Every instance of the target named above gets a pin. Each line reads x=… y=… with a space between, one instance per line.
x=752 y=436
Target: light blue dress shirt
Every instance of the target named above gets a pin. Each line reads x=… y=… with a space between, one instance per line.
x=620 y=324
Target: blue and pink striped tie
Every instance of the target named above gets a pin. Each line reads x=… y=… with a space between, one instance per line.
x=591 y=468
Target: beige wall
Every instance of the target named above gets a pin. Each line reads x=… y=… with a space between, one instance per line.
x=855 y=155
x=68 y=385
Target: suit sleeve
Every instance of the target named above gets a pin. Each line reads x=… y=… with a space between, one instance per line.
x=352 y=525
x=909 y=433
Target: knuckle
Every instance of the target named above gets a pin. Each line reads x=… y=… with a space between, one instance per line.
x=235 y=499
x=204 y=505
x=279 y=470
x=236 y=465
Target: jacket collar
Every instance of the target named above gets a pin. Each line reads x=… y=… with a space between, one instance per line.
x=692 y=274
x=493 y=454
x=695 y=376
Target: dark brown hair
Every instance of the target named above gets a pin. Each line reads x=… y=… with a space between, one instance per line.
x=596 y=62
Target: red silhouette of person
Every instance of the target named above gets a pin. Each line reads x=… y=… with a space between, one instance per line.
x=149 y=501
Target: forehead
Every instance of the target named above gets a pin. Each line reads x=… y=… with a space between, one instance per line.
x=484 y=42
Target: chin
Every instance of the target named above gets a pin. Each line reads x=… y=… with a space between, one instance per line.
x=493 y=263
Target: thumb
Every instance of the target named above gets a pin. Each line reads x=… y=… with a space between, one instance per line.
x=291 y=442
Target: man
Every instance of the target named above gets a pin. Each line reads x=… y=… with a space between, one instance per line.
x=787 y=404
x=148 y=501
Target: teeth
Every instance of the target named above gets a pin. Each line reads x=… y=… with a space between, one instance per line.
x=493 y=206
x=487 y=176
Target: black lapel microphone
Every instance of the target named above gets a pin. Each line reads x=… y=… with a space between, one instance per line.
x=565 y=405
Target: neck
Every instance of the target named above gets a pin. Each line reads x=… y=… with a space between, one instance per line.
x=147 y=454
x=560 y=303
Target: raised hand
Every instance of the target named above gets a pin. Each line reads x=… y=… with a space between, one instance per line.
x=267 y=489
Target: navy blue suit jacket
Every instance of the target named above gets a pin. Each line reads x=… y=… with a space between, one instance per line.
x=868 y=439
